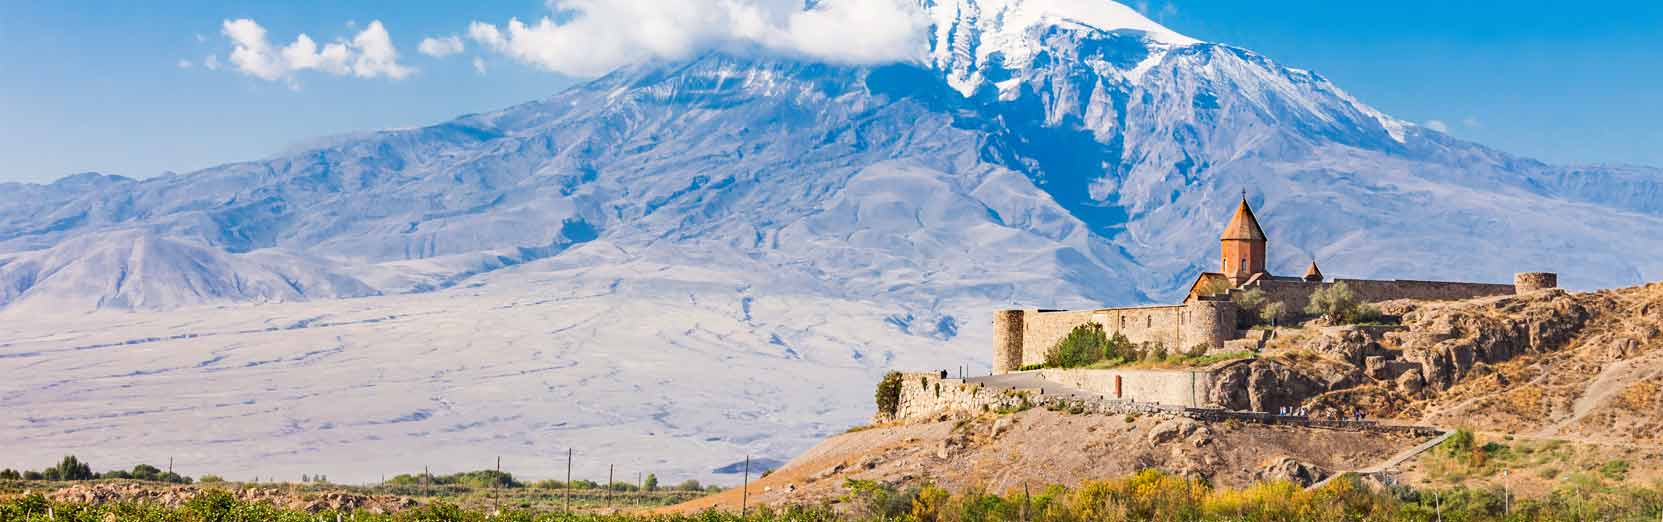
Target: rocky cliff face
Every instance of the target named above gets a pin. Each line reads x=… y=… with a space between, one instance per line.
x=1549 y=362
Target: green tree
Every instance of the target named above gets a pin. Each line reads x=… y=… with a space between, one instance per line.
x=146 y=472
x=652 y=482
x=1336 y=302
x=71 y=468
x=1273 y=312
x=1084 y=345
x=889 y=393
x=10 y=474
x=1250 y=302
x=690 y=485
x=1340 y=305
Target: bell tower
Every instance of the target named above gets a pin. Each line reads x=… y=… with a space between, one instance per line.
x=1242 y=245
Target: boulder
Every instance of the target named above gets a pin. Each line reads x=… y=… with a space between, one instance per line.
x=1286 y=468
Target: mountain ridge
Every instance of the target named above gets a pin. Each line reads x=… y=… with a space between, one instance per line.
x=1133 y=132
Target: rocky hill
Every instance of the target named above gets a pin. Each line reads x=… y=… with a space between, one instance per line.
x=1038 y=447
x=794 y=227
x=1585 y=365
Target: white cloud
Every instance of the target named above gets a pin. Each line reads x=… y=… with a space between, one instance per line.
x=1472 y=122
x=370 y=54
x=376 y=54
x=440 y=47
x=596 y=36
x=183 y=63
x=1438 y=125
x=479 y=65
x=211 y=62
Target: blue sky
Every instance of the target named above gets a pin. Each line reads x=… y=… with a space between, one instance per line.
x=102 y=87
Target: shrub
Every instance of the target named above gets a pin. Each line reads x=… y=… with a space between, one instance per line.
x=889 y=394
x=209 y=479
x=690 y=485
x=1461 y=443
x=652 y=482
x=10 y=474
x=1615 y=470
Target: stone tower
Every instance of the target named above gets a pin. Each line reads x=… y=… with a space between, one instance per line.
x=1243 y=245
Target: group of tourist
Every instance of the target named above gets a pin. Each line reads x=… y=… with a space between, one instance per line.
x=1287 y=411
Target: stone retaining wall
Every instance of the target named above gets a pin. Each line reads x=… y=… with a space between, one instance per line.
x=921 y=401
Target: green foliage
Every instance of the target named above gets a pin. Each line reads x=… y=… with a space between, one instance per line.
x=71 y=468
x=1460 y=443
x=1086 y=345
x=1083 y=346
x=1273 y=313
x=209 y=479
x=1615 y=470
x=1339 y=304
x=888 y=395
x=1147 y=495
x=652 y=482
x=481 y=479
x=10 y=474
x=690 y=485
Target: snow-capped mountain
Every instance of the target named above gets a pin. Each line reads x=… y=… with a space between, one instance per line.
x=1135 y=135
x=794 y=226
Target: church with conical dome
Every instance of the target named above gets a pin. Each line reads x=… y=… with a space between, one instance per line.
x=1222 y=305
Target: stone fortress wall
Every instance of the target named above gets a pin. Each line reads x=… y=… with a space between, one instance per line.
x=1296 y=294
x=1022 y=337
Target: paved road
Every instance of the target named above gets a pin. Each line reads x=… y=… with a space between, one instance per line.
x=1026 y=380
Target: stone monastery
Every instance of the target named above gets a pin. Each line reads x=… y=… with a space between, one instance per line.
x=1206 y=320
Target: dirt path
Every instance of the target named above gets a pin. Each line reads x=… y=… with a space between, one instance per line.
x=1391 y=462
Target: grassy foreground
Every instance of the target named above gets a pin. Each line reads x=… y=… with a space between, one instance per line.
x=1150 y=495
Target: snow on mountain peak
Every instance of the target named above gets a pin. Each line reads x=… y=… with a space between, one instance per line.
x=972 y=35
x=1018 y=15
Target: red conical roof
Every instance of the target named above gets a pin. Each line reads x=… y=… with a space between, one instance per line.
x=1244 y=225
x=1313 y=273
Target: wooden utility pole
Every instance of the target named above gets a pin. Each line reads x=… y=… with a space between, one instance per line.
x=568 y=480
x=640 y=488
x=609 y=484
x=496 y=484
x=745 y=488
